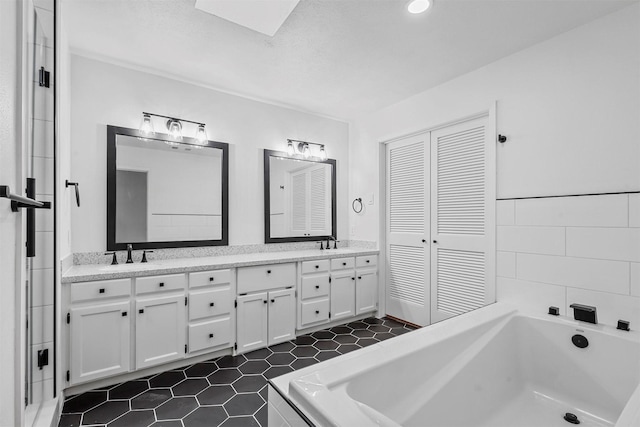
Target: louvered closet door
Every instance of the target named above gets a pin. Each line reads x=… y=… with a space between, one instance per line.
x=320 y=201
x=407 y=278
x=463 y=218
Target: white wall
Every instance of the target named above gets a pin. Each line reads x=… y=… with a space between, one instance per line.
x=104 y=94
x=569 y=106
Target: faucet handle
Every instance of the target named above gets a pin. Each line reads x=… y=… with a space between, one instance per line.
x=144 y=255
x=114 y=261
x=335 y=244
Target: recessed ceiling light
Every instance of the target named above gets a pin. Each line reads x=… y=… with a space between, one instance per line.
x=418 y=6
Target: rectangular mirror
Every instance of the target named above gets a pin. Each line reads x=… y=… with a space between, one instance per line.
x=300 y=198
x=163 y=193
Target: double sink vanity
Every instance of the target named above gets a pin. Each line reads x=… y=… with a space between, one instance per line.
x=131 y=320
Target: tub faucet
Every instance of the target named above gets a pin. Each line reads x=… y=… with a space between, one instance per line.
x=129 y=249
x=585 y=313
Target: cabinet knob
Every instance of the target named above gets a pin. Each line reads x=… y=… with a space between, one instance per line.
x=162 y=284
x=359 y=277
x=101 y=290
x=317 y=311
x=211 y=304
x=424 y=240
x=368 y=261
x=317 y=266
x=124 y=314
x=317 y=286
x=268 y=271
x=211 y=279
x=210 y=335
x=344 y=263
x=265 y=301
x=141 y=311
x=435 y=241
x=353 y=278
x=273 y=300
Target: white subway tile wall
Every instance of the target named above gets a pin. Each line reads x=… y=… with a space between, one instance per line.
x=564 y=250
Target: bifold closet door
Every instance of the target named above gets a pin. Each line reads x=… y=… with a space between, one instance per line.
x=407 y=182
x=463 y=218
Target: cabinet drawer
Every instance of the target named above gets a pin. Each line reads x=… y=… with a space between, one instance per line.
x=314 y=311
x=315 y=286
x=366 y=261
x=209 y=303
x=209 y=334
x=100 y=290
x=318 y=266
x=206 y=278
x=149 y=284
x=342 y=263
x=265 y=277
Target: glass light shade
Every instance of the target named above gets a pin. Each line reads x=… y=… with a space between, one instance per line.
x=323 y=154
x=418 y=6
x=201 y=135
x=175 y=129
x=146 y=127
x=306 y=152
x=290 y=150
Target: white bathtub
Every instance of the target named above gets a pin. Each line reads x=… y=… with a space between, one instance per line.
x=492 y=367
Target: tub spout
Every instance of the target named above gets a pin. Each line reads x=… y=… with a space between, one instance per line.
x=585 y=313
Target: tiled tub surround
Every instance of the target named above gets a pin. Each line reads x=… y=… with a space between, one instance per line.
x=228 y=391
x=503 y=367
x=562 y=250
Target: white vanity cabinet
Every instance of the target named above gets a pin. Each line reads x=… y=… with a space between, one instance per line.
x=366 y=284
x=160 y=332
x=343 y=288
x=314 y=293
x=99 y=323
x=211 y=311
x=266 y=312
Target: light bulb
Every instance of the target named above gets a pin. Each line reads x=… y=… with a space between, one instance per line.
x=323 y=154
x=201 y=135
x=290 y=150
x=418 y=6
x=146 y=127
x=175 y=129
x=306 y=152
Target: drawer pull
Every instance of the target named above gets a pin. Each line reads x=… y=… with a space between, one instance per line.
x=353 y=278
x=317 y=311
x=211 y=304
x=359 y=277
x=265 y=301
x=368 y=261
x=344 y=263
x=162 y=284
x=210 y=335
x=211 y=279
x=141 y=311
x=317 y=266
x=101 y=290
x=268 y=271
x=317 y=286
x=124 y=314
x=273 y=300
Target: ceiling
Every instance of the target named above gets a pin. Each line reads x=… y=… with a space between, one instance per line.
x=338 y=58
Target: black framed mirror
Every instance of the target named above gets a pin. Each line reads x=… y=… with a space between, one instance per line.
x=299 y=198
x=165 y=193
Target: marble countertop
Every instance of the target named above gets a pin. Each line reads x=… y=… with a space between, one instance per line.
x=90 y=272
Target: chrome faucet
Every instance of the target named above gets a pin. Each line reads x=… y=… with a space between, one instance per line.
x=129 y=249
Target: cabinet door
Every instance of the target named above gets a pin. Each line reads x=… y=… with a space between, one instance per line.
x=366 y=291
x=160 y=330
x=252 y=322
x=343 y=295
x=99 y=341
x=282 y=316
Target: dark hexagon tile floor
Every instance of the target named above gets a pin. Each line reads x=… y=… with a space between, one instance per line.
x=227 y=391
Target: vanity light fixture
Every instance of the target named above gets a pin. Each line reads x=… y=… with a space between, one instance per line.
x=174 y=126
x=418 y=6
x=304 y=148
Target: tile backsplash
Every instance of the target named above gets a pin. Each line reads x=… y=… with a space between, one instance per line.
x=563 y=250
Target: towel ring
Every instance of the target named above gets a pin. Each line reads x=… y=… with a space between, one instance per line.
x=355 y=203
